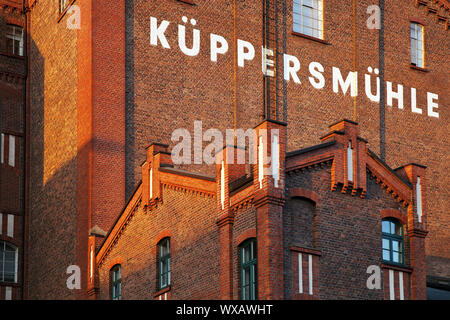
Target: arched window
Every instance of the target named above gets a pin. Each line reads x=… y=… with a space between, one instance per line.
x=248 y=269
x=392 y=241
x=116 y=282
x=164 y=263
x=8 y=262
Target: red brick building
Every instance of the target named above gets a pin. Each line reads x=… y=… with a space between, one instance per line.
x=314 y=232
x=106 y=79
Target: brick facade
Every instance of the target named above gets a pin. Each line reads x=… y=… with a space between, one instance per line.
x=310 y=225
x=98 y=95
x=12 y=88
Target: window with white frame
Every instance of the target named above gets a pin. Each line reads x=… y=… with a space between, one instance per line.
x=417 y=45
x=14 y=39
x=8 y=262
x=308 y=17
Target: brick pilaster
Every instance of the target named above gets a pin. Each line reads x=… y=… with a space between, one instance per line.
x=269 y=201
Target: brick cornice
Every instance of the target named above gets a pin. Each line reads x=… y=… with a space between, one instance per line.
x=222 y=221
x=417 y=233
x=188 y=189
x=389 y=181
x=11 y=77
x=268 y=199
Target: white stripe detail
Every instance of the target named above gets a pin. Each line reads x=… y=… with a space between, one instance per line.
x=391 y=285
x=8 y=293
x=222 y=185
x=10 y=228
x=2 y=145
x=400 y=283
x=151 y=184
x=300 y=273
x=419 y=199
x=276 y=160
x=310 y=275
x=260 y=161
x=12 y=151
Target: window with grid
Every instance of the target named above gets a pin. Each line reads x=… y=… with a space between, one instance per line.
x=116 y=282
x=164 y=263
x=248 y=270
x=14 y=39
x=8 y=262
x=392 y=241
x=308 y=17
x=417 y=45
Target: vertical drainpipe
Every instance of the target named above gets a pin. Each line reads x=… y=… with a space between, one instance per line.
x=382 y=86
x=26 y=151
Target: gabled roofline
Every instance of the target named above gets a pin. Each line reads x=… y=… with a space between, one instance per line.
x=387 y=167
x=119 y=224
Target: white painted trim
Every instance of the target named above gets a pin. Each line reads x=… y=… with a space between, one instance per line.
x=2 y=151
x=391 y=285
x=310 y=275
x=350 y=162
x=300 y=273
x=400 y=284
x=260 y=161
x=276 y=160
x=12 y=151
x=8 y=293
x=91 y=269
x=150 y=183
x=10 y=226
x=419 y=199
x=222 y=185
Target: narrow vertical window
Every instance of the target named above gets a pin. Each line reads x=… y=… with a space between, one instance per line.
x=350 y=162
x=419 y=199
x=12 y=151
x=164 y=263
x=308 y=17
x=116 y=282
x=14 y=40
x=248 y=270
x=417 y=45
